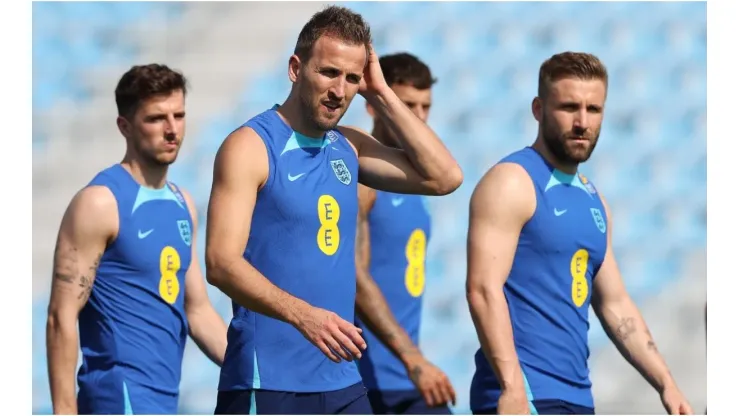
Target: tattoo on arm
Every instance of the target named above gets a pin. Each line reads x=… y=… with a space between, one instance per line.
x=68 y=268
x=86 y=288
x=371 y=304
x=86 y=282
x=65 y=265
x=651 y=344
x=415 y=373
x=625 y=328
x=64 y=277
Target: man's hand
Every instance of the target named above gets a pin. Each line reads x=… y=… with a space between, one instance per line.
x=513 y=402
x=373 y=81
x=335 y=337
x=431 y=382
x=674 y=402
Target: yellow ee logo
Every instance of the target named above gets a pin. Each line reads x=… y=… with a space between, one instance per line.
x=169 y=265
x=578 y=268
x=416 y=249
x=328 y=236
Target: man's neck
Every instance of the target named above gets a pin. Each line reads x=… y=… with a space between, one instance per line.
x=291 y=113
x=541 y=148
x=150 y=176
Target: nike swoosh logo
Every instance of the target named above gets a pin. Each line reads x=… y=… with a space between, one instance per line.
x=144 y=235
x=396 y=201
x=559 y=213
x=292 y=178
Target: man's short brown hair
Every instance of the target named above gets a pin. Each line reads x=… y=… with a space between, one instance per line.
x=339 y=22
x=570 y=65
x=406 y=69
x=142 y=82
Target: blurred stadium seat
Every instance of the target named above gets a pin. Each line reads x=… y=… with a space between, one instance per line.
x=650 y=162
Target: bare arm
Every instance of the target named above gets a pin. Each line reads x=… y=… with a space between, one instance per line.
x=623 y=322
x=240 y=170
x=80 y=245
x=207 y=329
x=501 y=204
x=371 y=304
x=424 y=165
x=374 y=311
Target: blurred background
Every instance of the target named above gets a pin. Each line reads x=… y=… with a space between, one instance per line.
x=650 y=162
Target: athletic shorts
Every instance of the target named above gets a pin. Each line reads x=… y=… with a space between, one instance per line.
x=348 y=401
x=402 y=402
x=549 y=407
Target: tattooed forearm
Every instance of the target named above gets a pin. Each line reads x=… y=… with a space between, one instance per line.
x=625 y=328
x=373 y=309
x=650 y=342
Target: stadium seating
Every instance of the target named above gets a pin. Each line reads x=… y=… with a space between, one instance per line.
x=650 y=161
x=70 y=37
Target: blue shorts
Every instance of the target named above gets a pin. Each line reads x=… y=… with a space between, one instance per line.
x=348 y=401
x=549 y=407
x=130 y=399
x=402 y=402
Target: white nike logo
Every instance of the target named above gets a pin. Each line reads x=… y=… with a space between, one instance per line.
x=144 y=235
x=396 y=201
x=292 y=178
x=559 y=213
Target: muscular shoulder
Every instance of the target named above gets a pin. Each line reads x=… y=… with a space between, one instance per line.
x=506 y=189
x=243 y=155
x=93 y=210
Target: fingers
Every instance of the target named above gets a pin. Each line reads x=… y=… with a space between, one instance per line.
x=438 y=396
x=335 y=346
x=450 y=396
x=444 y=392
x=328 y=352
x=347 y=343
x=353 y=333
x=428 y=397
x=438 y=393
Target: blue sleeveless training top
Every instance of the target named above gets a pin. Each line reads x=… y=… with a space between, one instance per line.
x=399 y=237
x=303 y=240
x=549 y=288
x=133 y=328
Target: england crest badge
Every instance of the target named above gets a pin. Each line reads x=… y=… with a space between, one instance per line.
x=185 y=234
x=341 y=171
x=598 y=219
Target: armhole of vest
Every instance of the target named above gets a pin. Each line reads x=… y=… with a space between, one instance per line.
x=535 y=188
x=606 y=234
x=271 y=161
x=177 y=190
x=112 y=185
x=350 y=148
